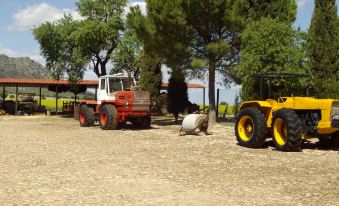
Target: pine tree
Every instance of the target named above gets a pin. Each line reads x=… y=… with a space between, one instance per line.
x=177 y=97
x=193 y=31
x=323 y=49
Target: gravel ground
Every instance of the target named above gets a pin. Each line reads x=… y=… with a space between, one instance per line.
x=52 y=161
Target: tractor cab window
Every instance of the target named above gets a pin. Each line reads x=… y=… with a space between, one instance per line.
x=115 y=85
x=102 y=84
x=118 y=85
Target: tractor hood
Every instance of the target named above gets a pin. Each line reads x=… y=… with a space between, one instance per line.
x=307 y=103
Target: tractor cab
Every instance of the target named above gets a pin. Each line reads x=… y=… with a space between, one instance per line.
x=110 y=84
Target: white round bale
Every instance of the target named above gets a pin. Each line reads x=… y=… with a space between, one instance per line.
x=192 y=121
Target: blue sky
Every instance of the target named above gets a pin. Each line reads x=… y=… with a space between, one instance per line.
x=18 y=17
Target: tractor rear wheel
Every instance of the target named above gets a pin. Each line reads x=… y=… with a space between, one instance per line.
x=286 y=130
x=250 y=128
x=86 y=116
x=108 y=117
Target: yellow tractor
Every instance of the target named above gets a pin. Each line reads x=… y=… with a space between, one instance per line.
x=288 y=120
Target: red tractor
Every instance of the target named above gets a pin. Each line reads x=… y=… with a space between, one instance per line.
x=118 y=101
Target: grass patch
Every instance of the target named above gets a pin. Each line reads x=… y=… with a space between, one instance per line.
x=50 y=103
x=222 y=109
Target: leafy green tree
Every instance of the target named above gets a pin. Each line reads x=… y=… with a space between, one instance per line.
x=323 y=49
x=99 y=33
x=177 y=97
x=151 y=77
x=62 y=53
x=195 y=32
x=271 y=46
x=67 y=44
x=126 y=58
x=281 y=10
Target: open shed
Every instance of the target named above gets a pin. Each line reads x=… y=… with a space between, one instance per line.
x=56 y=85
x=64 y=85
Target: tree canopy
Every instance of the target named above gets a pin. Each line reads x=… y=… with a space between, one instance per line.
x=127 y=56
x=323 y=49
x=63 y=56
x=94 y=38
x=271 y=46
x=177 y=97
x=151 y=77
x=281 y=10
x=192 y=32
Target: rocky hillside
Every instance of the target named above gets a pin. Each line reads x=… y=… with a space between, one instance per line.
x=22 y=67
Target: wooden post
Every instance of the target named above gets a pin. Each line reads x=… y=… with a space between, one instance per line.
x=4 y=93
x=203 y=98
x=96 y=94
x=40 y=97
x=56 y=100
x=217 y=106
x=16 y=98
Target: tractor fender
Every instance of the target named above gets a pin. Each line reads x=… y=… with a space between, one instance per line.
x=264 y=106
x=255 y=104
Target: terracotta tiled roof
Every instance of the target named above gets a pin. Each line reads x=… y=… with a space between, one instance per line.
x=89 y=83
x=44 y=82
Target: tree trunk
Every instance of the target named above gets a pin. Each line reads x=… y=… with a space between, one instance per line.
x=103 y=69
x=176 y=115
x=211 y=96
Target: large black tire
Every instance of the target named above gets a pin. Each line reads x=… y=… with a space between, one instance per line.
x=108 y=117
x=250 y=128
x=286 y=130
x=86 y=116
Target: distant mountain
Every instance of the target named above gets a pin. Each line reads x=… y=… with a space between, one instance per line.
x=22 y=67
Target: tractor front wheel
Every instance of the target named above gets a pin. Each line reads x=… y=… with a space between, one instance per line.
x=86 y=116
x=108 y=117
x=250 y=128
x=286 y=130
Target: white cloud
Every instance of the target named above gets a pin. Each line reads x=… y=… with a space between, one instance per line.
x=28 y=18
x=141 y=4
x=34 y=55
x=32 y=16
x=303 y=3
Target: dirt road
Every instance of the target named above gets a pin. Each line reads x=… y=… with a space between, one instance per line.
x=52 y=161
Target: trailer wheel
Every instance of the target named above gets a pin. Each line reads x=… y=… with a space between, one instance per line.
x=250 y=128
x=108 y=117
x=86 y=116
x=286 y=130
